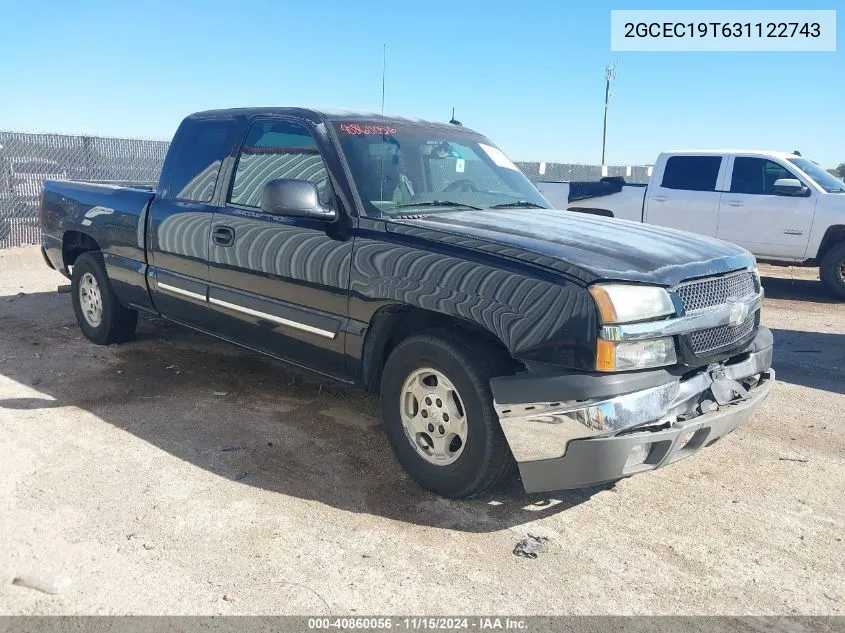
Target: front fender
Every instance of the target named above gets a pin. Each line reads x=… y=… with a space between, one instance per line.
x=538 y=316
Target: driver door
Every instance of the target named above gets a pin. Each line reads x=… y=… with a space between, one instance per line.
x=280 y=283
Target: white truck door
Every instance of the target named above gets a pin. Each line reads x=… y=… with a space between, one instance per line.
x=683 y=193
x=753 y=216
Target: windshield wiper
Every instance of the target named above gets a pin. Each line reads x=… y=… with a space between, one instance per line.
x=436 y=203
x=518 y=203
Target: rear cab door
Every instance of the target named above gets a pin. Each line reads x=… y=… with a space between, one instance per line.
x=753 y=216
x=683 y=192
x=180 y=218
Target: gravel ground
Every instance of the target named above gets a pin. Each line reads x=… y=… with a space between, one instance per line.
x=180 y=475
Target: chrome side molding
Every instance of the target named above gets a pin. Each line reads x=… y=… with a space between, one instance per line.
x=181 y=292
x=175 y=290
x=272 y=317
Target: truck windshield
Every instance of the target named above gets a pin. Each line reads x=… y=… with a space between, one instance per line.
x=826 y=181
x=412 y=168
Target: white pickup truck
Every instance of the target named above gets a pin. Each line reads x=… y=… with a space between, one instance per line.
x=782 y=207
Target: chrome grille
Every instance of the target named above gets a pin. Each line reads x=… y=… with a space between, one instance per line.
x=705 y=341
x=714 y=291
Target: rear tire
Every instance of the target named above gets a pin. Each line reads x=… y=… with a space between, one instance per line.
x=832 y=270
x=98 y=312
x=458 y=449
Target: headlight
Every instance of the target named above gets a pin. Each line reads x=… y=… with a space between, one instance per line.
x=626 y=303
x=629 y=303
x=625 y=356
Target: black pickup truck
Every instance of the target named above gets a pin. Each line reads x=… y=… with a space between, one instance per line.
x=415 y=260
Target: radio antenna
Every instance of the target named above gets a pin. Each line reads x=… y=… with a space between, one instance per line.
x=383 y=74
x=381 y=154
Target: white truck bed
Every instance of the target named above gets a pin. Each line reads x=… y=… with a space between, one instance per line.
x=626 y=203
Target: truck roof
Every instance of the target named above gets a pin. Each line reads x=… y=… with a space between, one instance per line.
x=327 y=114
x=759 y=152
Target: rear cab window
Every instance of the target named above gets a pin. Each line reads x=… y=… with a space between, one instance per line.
x=692 y=173
x=202 y=146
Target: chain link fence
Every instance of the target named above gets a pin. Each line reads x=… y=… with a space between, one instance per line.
x=571 y=172
x=27 y=160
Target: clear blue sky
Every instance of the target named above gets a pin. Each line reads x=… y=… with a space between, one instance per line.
x=527 y=74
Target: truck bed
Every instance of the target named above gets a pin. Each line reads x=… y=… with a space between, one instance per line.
x=114 y=215
x=610 y=199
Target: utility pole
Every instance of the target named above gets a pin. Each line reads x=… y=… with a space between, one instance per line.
x=609 y=77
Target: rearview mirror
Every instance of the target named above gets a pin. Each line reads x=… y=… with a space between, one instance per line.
x=790 y=187
x=295 y=198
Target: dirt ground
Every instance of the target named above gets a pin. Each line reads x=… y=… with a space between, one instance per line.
x=180 y=475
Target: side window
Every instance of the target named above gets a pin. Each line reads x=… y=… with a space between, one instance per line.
x=277 y=149
x=757 y=176
x=774 y=172
x=202 y=147
x=692 y=173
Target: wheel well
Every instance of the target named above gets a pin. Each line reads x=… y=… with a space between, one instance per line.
x=393 y=324
x=833 y=236
x=74 y=243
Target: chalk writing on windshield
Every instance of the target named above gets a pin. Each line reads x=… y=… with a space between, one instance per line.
x=358 y=129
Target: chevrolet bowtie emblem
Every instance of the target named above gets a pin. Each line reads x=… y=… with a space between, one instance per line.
x=739 y=311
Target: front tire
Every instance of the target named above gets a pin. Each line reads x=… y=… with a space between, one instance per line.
x=437 y=412
x=98 y=312
x=832 y=270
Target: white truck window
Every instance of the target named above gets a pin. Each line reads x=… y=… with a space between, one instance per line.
x=692 y=173
x=757 y=176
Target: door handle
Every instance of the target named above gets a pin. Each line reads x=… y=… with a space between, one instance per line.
x=734 y=203
x=223 y=235
x=660 y=198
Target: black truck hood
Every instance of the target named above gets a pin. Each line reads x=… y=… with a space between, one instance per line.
x=586 y=247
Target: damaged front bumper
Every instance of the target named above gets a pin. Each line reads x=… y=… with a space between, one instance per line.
x=617 y=425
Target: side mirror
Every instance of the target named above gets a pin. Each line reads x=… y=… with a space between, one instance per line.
x=295 y=198
x=790 y=187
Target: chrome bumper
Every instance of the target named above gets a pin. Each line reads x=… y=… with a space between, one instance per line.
x=547 y=437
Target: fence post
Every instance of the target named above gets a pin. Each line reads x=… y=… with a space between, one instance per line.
x=86 y=151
